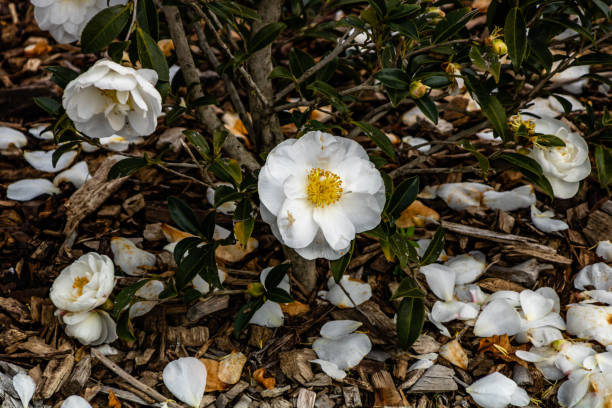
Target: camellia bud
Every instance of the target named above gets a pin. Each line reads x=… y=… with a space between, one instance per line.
x=499 y=47
x=558 y=344
x=256 y=289
x=435 y=10
x=418 y=89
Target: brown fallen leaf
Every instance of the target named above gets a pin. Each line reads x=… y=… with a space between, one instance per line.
x=416 y=215
x=213 y=383
x=166 y=46
x=113 y=401
x=38 y=46
x=294 y=308
x=268 y=383
x=453 y=352
x=500 y=347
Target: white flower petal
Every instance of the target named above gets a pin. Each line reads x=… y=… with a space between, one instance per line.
x=459 y=196
x=497 y=318
x=77 y=175
x=534 y=305
x=75 y=401
x=467 y=267
x=337 y=329
x=417 y=141
x=141 y=308
x=346 y=352
x=25 y=387
x=544 y=221
x=330 y=369
x=604 y=250
x=284 y=283
x=496 y=391
x=296 y=223
x=520 y=197
x=42 y=160
x=129 y=257
x=337 y=228
x=10 y=136
x=598 y=275
x=441 y=280
x=590 y=322
x=269 y=314
x=359 y=292
x=574 y=389
x=91 y=328
x=39 y=133
x=27 y=189
x=186 y=380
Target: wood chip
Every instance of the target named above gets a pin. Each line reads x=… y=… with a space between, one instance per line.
x=78 y=378
x=437 y=378
x=230 y=367
x=385 y=393
x=306 y=398
x=189 y=337
x=352 y=399
x=15 y=309
x=204 y=308
x=525 y=273
x=295 y=364
x=495 y=285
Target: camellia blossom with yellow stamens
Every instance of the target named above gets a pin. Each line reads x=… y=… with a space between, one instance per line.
x=318 y=191
x=110 y=99
x=85 y=284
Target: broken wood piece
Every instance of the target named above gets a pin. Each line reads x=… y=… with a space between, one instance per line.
x=525 y=273
x=208 y=306
x=385 y=393
x=78 y=378
x=437 y=378
x=306 y=398
x=352 y=399
x=295 y=364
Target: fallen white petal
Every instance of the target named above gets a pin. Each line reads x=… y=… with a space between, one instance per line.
x=43 y=160
x=497 y=391
x=27 y=189
x=346 y=352
x=497 y=318
x=202 y=286
x=142 y=308
x=417 y=141
x=186 y=380
x=269 y=314
x=544 y=221
x=441 y=280
x=129 y=257
x=598 y=275
x=10 y=136
x=459 y=196
x=535 y=305
x=330 y=369
x=77 y=175
x=226 y=208
x=336 y=329
x=74 y=401
x=40 y=133
x=590 y=322
x=358 y=291
x=467 y=267
x=604 y=250
x=520 y=197
x=25 y=387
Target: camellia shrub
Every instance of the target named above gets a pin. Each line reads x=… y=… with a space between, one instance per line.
x=288 y=153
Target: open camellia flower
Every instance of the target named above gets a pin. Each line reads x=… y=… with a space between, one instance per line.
x=565 y=166
x=85 y=284
x=110 y=99
x=66 y=19
x=318 y=191
x=91 y=328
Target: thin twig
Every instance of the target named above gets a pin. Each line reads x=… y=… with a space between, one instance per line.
x=434 y=46
x=134 y=15
x=344 y=42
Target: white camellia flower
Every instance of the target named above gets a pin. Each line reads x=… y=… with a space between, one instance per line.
x=543 y=220
x=318 y=191
x=186 y=380
x=110 y=99
x=359 y=292
x=66 y=19
x=497 y=391
x=590 y=322
x=496 y=318
x=27 y=189
x=565 y=166
x=91 y=328
x=129 y=257
x=270 y=313
x=85 y=284
x=604 y=250
x=74 y=401
x=340 y=348
x=11 y=137
x=25 y=387
x=597 y=275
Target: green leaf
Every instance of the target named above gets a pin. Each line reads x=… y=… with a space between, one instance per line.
x=329 y=92
x=219 y=137
x=572 y=26
x=530 y=169
x=265 y=36
x=104 y=27
x=62 y=75
x=550 y=141
x=147 y=18
x=483 y=161
x=116 y=49
x=183 y=246
x=428 y=107
x=408 y=288
x=200 y=143
x=435 y=247
x=280 y=72
x=203 y=101
x=49 y=105
x=299 y=61
x=567 y=105
x=243 y=230
x=595 y=58
x=64 y=148
x=490 y=106
x=378 y=137
x=394 y=78
x=125 y=297
x=515 y=36
x=339 y=266
x=196 y=260
x=279 y=295
x=151 y=56
x=452 y=23
x=183 y=216
x=174 y=114
x=223 y=194
x=245 y=313
x=227 y=170
x=126 y=167
x=403 y=195
x=124 y=328
x=603 y=161
x=410 y=319
x=276 y=275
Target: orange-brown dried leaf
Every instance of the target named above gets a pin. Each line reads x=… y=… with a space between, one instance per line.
x=113 y=401
x=416 y=214
x=501 y=348
x=295 y=308
x=213 y=383
x=268 y=383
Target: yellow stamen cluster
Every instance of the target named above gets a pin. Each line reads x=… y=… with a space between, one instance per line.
x=79 y=283
x=516 y=122
x=324 y=187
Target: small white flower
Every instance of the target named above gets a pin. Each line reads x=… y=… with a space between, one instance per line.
x=25 y=387
x=604 y=250
x=77 y=175
x=318 y=191
x=565 y=166
x=520 y=197
x=66 y=19
x=10 y=136
x=186 y=380
x=27 y=189
x=226 y=208
x=340 y=346
x=74 y=401
x=543 y=220
x=270 y=313
x=497 y=391
x=43 y=160
x=90 y=328
x=359 y=292
x=590 y=322
x=597 y=275
x=85 y=284
x=110 y=99
x=129 y=257
x=497 y=317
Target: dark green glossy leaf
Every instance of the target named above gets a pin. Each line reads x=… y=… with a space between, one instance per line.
x=64 y=148
x=394 y=78
x=151 y=56
x=126 y=167
x=276 y=275
x=452 y=24
x=378 y=137
x=49 y=105
x=595 y=58
x=265 y=36
x=62 y=75
x=125 y=297
x=515 y=36
x=404 y=195
x=147 y=18
x=299 y=61
x=408 y=288
x=410 y=319
x=199 y=141
x=279 y=295
x=435 y=247
x=223 y=194
x=428 y=107
x=339 y=266
x=104 y=27
x=245 y=313
x=124 y=328
x=182 y=215
x=227 y=170
x=183 y=246
x=603 y=161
